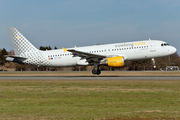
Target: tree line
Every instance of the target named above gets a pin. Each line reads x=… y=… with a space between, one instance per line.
x=138 y=65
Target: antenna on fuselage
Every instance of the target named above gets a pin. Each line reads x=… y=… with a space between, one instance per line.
x=149 y=39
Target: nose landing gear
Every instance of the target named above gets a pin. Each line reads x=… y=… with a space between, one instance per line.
x=154 y=64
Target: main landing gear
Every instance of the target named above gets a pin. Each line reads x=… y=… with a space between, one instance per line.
x=96 y=70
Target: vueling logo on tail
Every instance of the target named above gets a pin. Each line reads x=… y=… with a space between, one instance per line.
x=18 y=37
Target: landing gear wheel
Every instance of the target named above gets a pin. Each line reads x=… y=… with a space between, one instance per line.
x=96 y=69
x=97 y=72
x=93 y=71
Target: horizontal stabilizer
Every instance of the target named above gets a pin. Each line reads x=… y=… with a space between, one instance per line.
x=16 y=57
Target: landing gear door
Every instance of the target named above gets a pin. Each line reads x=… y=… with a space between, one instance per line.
x=152 y=46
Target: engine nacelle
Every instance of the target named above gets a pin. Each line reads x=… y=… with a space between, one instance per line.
x=114 y=61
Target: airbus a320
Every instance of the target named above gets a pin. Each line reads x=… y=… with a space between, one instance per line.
x=112 y=55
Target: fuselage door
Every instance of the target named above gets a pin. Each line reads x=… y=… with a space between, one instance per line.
x=152 y=46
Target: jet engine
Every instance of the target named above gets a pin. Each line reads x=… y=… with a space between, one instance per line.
x=114 y=61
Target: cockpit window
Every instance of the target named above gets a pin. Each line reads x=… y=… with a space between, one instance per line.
x=164 y=44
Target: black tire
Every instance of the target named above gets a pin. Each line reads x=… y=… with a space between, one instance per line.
x=93 y=71
x=98 y=72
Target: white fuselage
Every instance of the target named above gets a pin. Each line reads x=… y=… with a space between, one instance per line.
x=130 y=51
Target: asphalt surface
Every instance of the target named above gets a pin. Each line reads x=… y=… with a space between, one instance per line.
x=90 y=78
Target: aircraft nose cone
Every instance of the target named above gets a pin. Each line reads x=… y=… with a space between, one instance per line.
x=174 y=50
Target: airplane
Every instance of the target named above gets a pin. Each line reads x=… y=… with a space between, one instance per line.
x=112 y=55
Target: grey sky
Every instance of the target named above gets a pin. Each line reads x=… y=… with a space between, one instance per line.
x=65 y=23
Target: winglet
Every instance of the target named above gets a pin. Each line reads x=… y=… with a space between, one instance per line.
x=65 y=49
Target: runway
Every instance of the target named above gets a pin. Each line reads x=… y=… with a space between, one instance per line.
x=90 y=78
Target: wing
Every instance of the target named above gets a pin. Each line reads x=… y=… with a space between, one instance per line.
x=90 y=58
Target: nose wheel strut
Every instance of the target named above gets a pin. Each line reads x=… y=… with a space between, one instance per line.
x=154 y=64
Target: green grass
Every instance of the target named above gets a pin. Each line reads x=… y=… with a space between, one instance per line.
x=89 y=99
